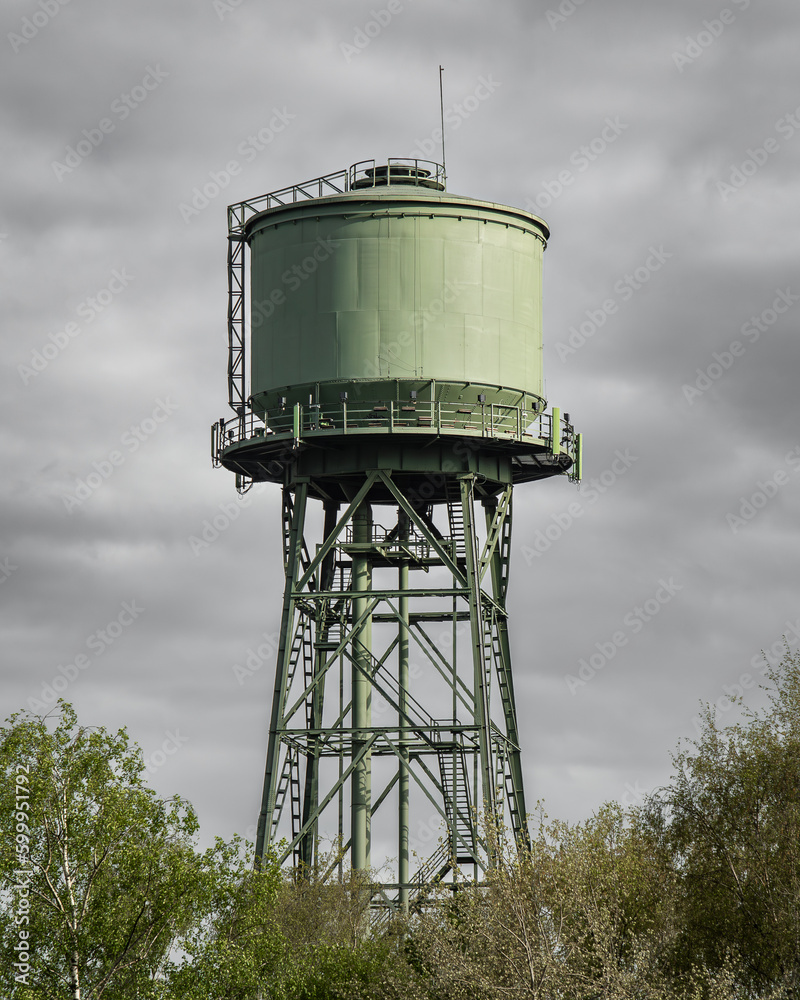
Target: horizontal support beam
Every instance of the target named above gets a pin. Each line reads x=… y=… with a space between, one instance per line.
x=329 y=595
x=420 y=617
x=364 y=749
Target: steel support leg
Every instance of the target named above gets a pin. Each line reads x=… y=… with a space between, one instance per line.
x=295 y=546
x=360 y=811
x=482 y=668
x=402 y=675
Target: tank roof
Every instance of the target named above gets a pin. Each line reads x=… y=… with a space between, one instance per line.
x=394 y=193
x=416 y=184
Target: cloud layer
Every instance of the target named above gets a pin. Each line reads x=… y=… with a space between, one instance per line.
x=660 y=143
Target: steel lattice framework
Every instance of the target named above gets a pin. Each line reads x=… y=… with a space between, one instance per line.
x=463 y=766
x=389 y=380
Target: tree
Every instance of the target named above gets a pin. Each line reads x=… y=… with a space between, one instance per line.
x=730 y=822
x=237 y=943
x=695 y=896
x=287 y=936
x=584 y=912
x=106 y=897
x=101 y=874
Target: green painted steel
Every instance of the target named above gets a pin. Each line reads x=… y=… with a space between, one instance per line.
x=361 y=688
x=404 y=784
x=384 y=307
x=556 y=445
x=441 y=752
x=355 y=292
x=395 y=353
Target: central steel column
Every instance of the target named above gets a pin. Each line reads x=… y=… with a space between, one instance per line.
x=360 y=800
x=308 y=845
x=402 y=677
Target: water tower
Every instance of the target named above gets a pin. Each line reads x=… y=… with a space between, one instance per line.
x=393 y=338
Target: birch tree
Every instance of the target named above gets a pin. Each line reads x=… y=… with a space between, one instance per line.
x=99 y=871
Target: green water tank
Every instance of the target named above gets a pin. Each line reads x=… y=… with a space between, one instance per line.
x=391 y=288
x=392 y=325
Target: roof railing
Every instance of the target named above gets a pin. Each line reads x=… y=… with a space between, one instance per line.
x=396 y=170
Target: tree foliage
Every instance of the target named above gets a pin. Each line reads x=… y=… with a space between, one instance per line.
x=577 y=914
x=288 y=938
x=694 y=896
x=730 y=822
x=112 y=877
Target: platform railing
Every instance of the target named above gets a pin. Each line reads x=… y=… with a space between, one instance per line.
x=365 y=173
x=317 y=187
x=402 y=169
x=481 y=420
x=389 y=539
x=485 y=419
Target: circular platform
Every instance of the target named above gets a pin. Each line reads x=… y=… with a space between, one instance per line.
x=425 y=454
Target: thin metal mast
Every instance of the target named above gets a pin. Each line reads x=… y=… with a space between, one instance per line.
x=441 y=108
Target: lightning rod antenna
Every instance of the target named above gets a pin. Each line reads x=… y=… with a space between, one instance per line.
x=441 y=107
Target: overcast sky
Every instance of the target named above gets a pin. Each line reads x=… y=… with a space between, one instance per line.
x=662 y=152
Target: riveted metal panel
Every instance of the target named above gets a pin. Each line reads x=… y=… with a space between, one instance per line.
x=396 y=286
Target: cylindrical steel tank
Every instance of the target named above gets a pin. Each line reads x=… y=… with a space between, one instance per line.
x=392 y=325
x=387 y=289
